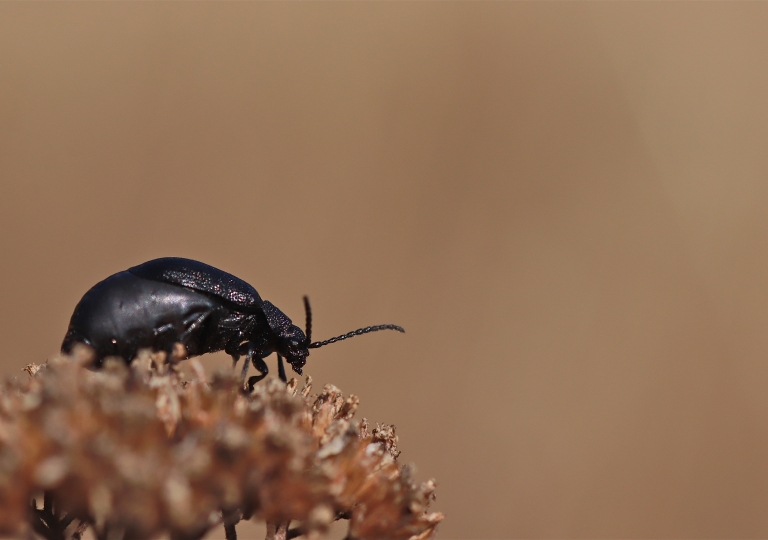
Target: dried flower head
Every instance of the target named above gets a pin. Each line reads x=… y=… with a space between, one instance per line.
x=138 y=452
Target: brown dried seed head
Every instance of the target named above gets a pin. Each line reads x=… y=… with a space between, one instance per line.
x=143 y=452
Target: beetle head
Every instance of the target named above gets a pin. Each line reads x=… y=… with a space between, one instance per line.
x=292 y=344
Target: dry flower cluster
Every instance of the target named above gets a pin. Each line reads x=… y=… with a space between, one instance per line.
x=133 y=453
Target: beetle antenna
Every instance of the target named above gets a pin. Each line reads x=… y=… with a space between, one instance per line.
x=358 y=332
x=308 y=310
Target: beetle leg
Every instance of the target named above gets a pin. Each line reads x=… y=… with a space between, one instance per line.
x=262 y=368
x=191 y=324
x=163 y=329
x=164 y=340
x=233 y=348
x=260 y=365
x=249 y=353
x=246 y=365
x=281 y=369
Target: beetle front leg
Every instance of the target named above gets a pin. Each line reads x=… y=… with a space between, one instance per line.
x=281 y=369
x=261 y=367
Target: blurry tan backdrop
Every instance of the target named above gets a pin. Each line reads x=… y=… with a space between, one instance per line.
x=565 y=204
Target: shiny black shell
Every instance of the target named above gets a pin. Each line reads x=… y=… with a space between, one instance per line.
x=173 y=300
x=124 y=313
x=200 y=277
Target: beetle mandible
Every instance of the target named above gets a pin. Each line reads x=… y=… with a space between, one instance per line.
x=174 y=300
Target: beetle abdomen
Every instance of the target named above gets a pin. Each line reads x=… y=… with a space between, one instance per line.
x=124 y=313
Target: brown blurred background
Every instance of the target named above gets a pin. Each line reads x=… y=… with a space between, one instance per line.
x=565 y=204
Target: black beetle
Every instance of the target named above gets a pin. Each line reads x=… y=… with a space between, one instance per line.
x=173 y=300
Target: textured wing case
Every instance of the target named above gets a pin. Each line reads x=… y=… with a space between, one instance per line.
x=200 y=277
